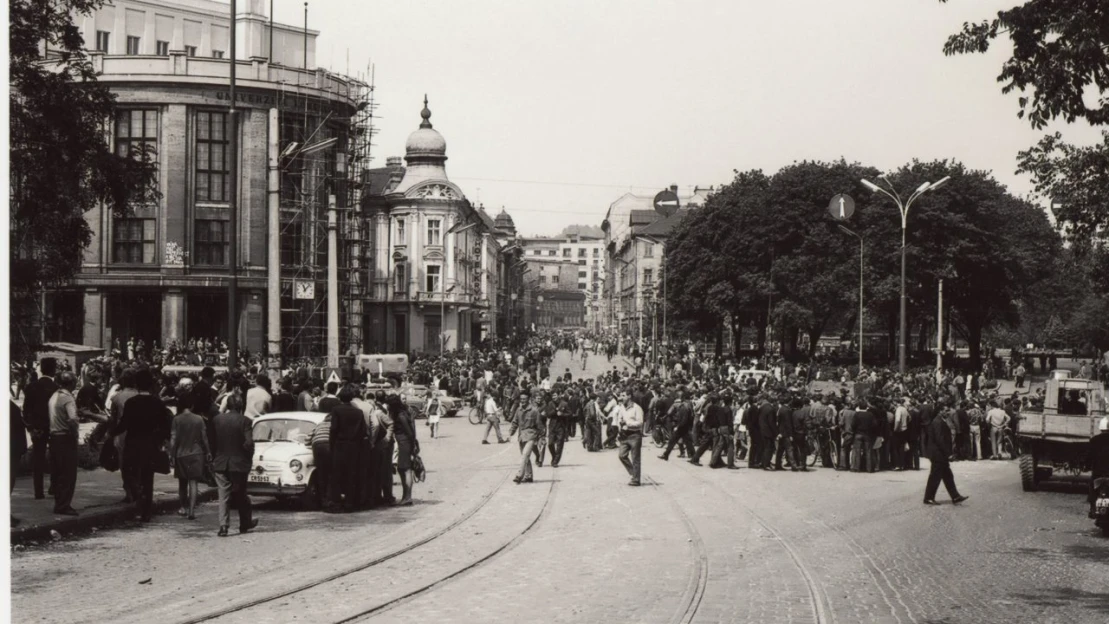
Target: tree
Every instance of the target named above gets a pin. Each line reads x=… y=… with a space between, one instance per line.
x=1060 y=59
x=61 y=165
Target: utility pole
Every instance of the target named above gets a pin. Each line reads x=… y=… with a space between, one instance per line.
x=306 y=36
x=939 y=329
x=332 y=283
x=233 y=214
x=273 y=255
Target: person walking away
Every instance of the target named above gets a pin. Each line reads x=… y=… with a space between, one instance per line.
x=116 y=403
x=434 y=413
x=384 y=441
x=258 y=398
x=866 y=426
x=768 y=432
x=63 y=443
x=997 y=419
x=189 y=452
x=320 y=443
x=36 y=417
x=232 y=458
x=939 y=454
x=629 y=421
x=682 y=434
x=492 y=419
x=803 y=416
x=407 y=445
x=146 y=422
x=529 y=422
x=347 y=434
x=558 y=430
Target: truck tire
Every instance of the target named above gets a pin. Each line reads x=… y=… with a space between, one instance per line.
x=1027 y=473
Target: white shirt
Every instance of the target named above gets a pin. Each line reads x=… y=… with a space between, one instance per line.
x=610 y=410
x=490 y=406
x=629 y=416
x=257 y=402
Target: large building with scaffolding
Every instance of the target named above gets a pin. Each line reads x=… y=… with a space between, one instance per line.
x=161 y=272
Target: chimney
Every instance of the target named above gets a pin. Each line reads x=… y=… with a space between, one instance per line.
x=674 y=189
x=394 y=161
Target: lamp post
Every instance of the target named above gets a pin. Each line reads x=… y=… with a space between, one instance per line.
x=443 y=315
x=852 y=233
x=903 y=206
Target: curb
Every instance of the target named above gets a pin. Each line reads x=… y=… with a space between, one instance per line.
x=114 y=514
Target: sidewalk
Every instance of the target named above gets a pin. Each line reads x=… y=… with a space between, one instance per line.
x=97 y=500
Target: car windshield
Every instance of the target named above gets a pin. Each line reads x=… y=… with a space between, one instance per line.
x=283 y=430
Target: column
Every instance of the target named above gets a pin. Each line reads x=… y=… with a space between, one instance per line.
x=117 y=43
x=149 y=43
x=93 y=332
x=251 y=334
x=173 y=315
x=383 y=264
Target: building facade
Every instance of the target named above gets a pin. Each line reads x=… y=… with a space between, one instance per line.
x=436 y=277
x=572 y=263
x=161 y=272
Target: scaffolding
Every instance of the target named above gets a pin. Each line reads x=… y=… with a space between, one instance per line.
x=325 y=146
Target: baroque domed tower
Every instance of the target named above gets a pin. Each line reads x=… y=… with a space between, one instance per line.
x=504 y=224
x=426 y=155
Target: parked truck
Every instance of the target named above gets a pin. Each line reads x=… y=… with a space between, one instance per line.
x=1057 y=437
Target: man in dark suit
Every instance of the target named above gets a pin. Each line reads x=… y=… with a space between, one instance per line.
x=939 y=453
x=234 y=455
x=768 y=432
x=863 y=428
x=347 y=437
x=36 y=415
x=784 y=420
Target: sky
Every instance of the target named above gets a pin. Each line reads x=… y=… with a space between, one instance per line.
x=554 y=109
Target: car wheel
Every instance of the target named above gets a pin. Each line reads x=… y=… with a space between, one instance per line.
x=312 y=498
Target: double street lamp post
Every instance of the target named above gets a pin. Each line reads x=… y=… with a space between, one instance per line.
x=903 y=206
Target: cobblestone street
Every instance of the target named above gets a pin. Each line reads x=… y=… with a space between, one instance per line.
x=579 y=545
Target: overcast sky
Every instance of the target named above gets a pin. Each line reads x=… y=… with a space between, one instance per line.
x=554 y=108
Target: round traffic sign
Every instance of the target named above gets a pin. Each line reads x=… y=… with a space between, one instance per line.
x=841 y=207
x=666 y=202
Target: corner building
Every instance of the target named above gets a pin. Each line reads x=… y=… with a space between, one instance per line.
x=161 y=272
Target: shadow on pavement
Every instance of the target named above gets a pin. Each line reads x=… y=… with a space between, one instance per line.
x=1064 y=596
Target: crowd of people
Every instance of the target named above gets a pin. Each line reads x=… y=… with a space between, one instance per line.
x=761 y=411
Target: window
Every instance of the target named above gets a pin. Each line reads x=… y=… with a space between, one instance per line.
x=103 y=38
x=399 y=280
x=595 y=262
x=581 y=252
x=137 y=136
x=211 y=157
x=133 y=241
x=162 y=48
x=581 y=262
x=596 y=252
x=543 y=280
x=567 y=252
x=433 y=236
x=552 y=252
x=217 y=53
x=648 y=276
x=583 y=273
x=581 y=286
x=433 y=274
x=554 y=279
x=133 y=46
x=211 y=242
x=401 y=238
x=190 y=50
x=648 y=250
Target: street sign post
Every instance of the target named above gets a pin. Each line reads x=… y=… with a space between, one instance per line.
x=841 y=207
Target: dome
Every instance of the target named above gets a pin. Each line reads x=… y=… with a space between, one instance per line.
x=426 y=141
x=504 y=221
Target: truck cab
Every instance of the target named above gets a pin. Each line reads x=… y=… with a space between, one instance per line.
x=1056 y=436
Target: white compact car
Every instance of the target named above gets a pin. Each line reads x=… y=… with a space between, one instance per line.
x=283 y=463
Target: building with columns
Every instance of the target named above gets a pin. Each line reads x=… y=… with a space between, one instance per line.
x=436 y=278
x=161 y=272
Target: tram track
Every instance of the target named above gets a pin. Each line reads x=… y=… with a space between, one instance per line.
x=699 y=577
x=822 y=613
x=364 y=565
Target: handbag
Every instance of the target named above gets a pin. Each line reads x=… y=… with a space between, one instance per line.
x=418 y=470
x=109 y=456
x=161 y=462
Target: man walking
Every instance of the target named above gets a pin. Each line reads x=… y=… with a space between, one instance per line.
x=939 y=453
x=492 y=419
x=629 y=420
x=683 y=428
x=234 y=454
x=529 y=423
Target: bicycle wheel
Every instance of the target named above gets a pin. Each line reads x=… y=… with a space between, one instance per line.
x=1007 y=447
x=476 y=416
x=834 y=453
x=813 y=446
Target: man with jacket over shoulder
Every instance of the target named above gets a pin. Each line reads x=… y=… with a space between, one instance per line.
x=234 y=455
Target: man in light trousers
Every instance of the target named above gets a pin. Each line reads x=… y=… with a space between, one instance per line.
x=492 y=420
x=629 y=420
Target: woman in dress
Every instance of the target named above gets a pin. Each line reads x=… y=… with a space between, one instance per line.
x=189 y=451
x=404 y=429
x=434 y=413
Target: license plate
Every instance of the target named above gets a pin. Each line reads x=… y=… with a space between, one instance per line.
x=1103 y=504
x=258 y=478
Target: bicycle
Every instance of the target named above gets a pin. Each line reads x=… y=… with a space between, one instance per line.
x=815 y=444
x=477 y=416
x=1008 y=444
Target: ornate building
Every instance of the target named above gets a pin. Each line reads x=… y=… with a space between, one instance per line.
x=435 y=258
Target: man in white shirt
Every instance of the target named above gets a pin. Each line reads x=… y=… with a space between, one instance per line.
x=629 y=420
x=258 y=397
x=492 y=420
x=609 y=418
x=998 y=419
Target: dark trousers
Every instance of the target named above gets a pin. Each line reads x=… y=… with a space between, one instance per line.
x=556 y=444
x=631 y=450
x=897 y=449
x=912 y=457
x=592 y=435
x=63 y=470
x=704 y=443
x=786 y=448
x=366 y=470
x=321 y=455
x=610 y=436
x=39 y=465
x=722 y=447
x=683 y=435
x=754 y=456
x=863 y=459
x=766 y=452
x=344 y=485
x=540 y=450
x=941 y=471
x=383 y=452
x=801 y=451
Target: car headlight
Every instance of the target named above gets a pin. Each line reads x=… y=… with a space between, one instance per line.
x=295 y=465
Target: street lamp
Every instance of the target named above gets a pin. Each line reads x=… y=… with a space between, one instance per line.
x=852 y=233
x=903 y=206
x=443 y=315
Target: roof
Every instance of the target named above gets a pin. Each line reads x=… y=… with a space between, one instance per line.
x=643 y=217
x=377 y=180
x=490 y=225
x=664 y=227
